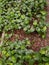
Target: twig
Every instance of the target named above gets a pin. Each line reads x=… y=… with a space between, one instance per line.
x=2 y=38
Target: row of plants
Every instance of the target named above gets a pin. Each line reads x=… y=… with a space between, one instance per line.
x=18 y=14
x=20 y=53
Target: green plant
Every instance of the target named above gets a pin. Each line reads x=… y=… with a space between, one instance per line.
x=45 y=55
x=15 y=53
x=15 y=14
x=40 y=28
x=18 y=53
x=42 y=57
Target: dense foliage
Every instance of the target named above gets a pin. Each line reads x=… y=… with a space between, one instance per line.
x=18 y=14
x=18 y=53
x=29 y=15
x=15 y=53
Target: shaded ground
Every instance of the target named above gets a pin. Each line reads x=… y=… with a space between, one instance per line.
x=38 y=41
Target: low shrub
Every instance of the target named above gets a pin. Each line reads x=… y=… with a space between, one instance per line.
x=18 y=14
x=18 y=53
x=15 y=53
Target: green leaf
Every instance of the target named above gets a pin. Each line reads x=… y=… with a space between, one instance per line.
x=46 y=63
x=35 y=23
x=42 y=51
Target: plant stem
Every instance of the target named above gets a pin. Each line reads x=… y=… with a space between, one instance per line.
x=2 y=37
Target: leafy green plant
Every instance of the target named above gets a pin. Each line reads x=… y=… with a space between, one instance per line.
x=18 y=53
x=15 y=14
x=40 y=28
x=15 y=53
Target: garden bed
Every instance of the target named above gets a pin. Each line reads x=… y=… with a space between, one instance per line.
x=38 y=41
x=34 y=46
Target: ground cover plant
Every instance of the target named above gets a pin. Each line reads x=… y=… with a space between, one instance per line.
x=18 y=53
x=18 y=14
x=29 y=16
